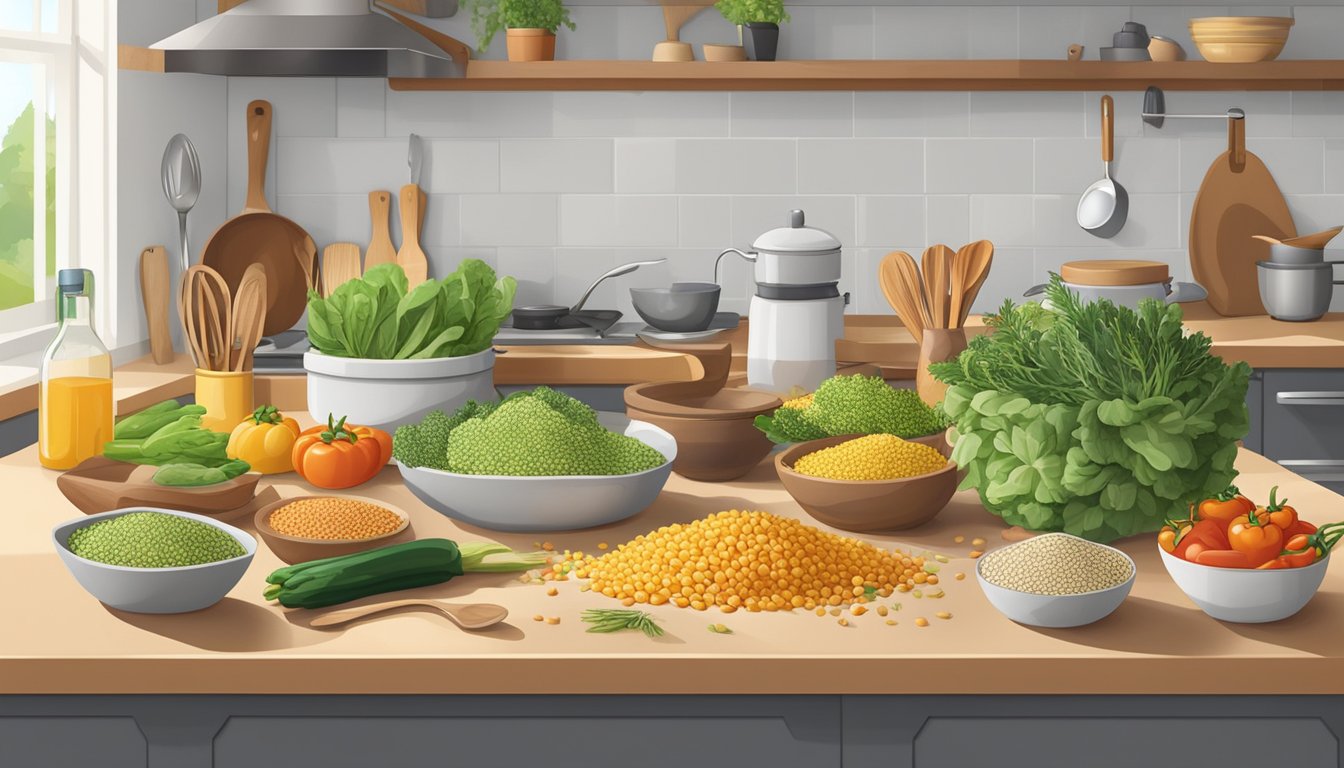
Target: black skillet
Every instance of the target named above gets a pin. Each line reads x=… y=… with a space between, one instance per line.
x=553 y=317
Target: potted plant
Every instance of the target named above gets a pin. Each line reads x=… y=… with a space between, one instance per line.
x=385 y=354
x=762 y=19
x=529 y=25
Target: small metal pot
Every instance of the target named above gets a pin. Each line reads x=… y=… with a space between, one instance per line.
x=792 y=255
x=1282 y=253
x=1131 y=295
x=1297 y=292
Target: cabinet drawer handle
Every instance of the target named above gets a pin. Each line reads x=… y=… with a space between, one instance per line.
x=1310 y=398
x=1329 y=470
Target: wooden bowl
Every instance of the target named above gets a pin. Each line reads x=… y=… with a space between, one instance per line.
x=716 y=439
x=868 y=505
x=296 y=549
x=719 y=52
x=1238 y=52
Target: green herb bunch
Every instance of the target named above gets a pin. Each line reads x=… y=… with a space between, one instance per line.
x=1091 y=418
x=605 y=620
x=488 y=17
x=742 y=12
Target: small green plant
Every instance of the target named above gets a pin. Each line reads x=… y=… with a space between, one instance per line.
x=742 y=12
x=488 y=17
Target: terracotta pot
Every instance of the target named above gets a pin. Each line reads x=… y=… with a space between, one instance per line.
x=530 y=44
x=868 y=505
x=938 y=346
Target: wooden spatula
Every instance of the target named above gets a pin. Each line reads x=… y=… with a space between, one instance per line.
x=340 y=263
x=155 y=288
x=466 y=616
x=249 y=317
x=380 y=249
x=411 y=257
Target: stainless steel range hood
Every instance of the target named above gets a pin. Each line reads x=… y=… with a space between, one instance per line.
x=305 y=38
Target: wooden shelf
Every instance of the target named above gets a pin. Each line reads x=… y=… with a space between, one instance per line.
x=836 y=75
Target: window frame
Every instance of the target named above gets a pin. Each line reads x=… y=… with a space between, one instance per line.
x=78 y=67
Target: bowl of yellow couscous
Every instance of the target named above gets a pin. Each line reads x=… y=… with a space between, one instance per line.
x=869 y=482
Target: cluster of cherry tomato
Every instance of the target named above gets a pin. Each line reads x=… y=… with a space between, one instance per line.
x=1231 y=531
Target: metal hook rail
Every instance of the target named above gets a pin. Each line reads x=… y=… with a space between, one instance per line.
x=1155 y=110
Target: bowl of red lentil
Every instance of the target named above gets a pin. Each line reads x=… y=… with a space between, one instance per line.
x=307 y=528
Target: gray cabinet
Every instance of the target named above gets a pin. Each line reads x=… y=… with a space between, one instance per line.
x=1303 y=423
x=56 y=742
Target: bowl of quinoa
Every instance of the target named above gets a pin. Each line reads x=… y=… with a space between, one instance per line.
x=1056 y=580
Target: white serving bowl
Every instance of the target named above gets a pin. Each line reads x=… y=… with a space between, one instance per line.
x=389 y=393
x=1246 y=595
x=1057 y=611
x=560 y=503
x=155 y=590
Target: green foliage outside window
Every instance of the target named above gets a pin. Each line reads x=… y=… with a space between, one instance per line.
x=16 y=208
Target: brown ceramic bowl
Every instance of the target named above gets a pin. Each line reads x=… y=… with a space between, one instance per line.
x=716 y=439
x=295 y=549
x=868 y=505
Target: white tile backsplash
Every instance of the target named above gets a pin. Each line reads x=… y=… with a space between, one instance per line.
x=737 y=166
x=820 y=113
x=978 y=166
x=556 y=187
x=646 y=166
x=860 y=166
x=617 y=220
x=361 y=107
x=556 y=165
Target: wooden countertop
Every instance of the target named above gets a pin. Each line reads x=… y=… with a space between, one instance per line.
x=58 y=639
x=876 y=339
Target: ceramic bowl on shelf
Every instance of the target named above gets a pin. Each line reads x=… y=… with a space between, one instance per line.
x=720 y=52
x=716 y=436
x=299 y=549
x=1247 y=596
x=155 y=590
x=1056 y=611
x=1240 y=39
x=549 y=503
x=868 y=505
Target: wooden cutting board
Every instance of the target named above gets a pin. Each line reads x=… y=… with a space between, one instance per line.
x=1237 y=200
x=155 y=288
x=101 y=485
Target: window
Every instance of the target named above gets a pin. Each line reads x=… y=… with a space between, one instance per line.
x=56 y=77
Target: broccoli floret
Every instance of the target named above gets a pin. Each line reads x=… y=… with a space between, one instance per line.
x=856 y=404
x=426 y=444
x=544 y=433
x=868 y=405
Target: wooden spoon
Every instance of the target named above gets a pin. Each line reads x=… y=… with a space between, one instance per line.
x=892 y=275
x=249 y=318
x=466 y=616
x=979 y=258
x=340 y=264
x=1314 y=241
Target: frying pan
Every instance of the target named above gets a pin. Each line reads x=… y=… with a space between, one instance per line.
x=259 y=236
x=551 y=317
x=1104 y=206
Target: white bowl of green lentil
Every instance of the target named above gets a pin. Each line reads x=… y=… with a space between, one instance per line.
x=1246 y=595
x=1056 y=580
x=166 y=589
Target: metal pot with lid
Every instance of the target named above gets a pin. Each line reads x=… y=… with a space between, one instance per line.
x=796 y=255
x=797 y=312
x=1124 y=282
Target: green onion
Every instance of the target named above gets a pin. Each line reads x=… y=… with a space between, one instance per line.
x=614 y=620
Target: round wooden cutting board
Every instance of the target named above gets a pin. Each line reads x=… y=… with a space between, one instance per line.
x=1238 y=199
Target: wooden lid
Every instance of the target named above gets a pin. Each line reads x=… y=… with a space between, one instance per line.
x=1114 y=272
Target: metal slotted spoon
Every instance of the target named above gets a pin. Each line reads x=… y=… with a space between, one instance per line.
x=181 y=172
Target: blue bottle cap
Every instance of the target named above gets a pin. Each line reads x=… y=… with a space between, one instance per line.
x=71 y=280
